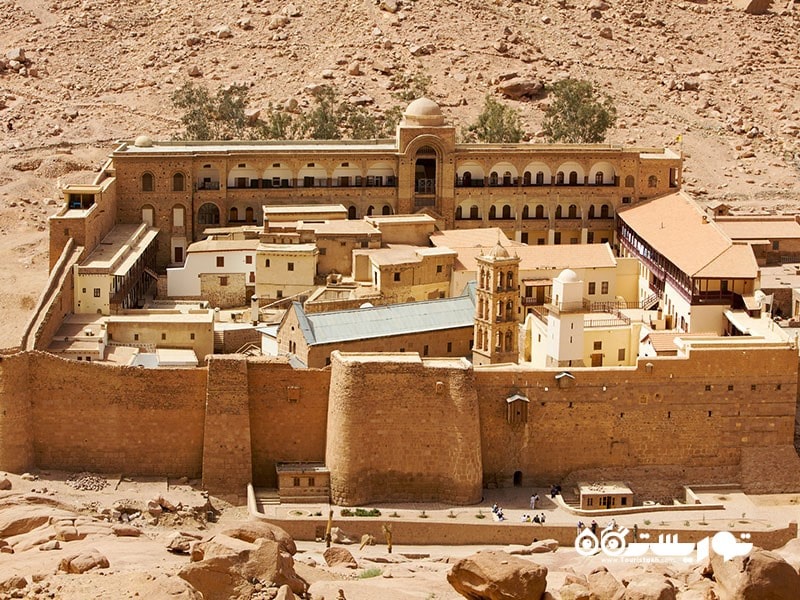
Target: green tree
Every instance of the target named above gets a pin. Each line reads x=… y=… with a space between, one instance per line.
x=278 y=125
x=322 y=121
x=212 y=117
x=497 y=123
x=578 y=113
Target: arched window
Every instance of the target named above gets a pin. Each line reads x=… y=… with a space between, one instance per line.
x=540 y=211
x=591 y=211
x=604 y=211
x=499 y=310
x=499 y=342
x=493 y=178
x=509 y=342
x=598 y=178
x=148 y=182
x=351 y=212
x=652 y=181
x=558 y=211
x=573 y=178
x=249 y=215
x=540 y=178
x=506 y=211
x=560 y=178
x=526 y=178
x=370 y=210
x=493 y=212
x=458 y=213
x=208 y=214
x=573 y=211
x=474 y=213
x=525 y=212
x=466 y=179
x=386 y=210
x=509 y=311
x=234 y=214
x=510 y=279
x=178 y=182
x=507 y=178
x=499 y=280
x=629 y=181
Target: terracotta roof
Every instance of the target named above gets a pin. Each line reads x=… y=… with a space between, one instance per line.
x=465 y=238
x=755 y=228
x=552 y=257
x=676 y=227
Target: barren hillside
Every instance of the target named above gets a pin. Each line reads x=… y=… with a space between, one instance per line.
x=93 y=72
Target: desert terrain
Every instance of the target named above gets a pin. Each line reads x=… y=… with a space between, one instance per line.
x=76 y=76
x=90 y=74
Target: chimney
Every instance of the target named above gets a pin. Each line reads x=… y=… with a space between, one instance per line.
x=254 y=309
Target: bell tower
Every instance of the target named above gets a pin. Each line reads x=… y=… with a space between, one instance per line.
x=497 y=301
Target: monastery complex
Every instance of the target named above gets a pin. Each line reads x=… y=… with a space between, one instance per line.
x=411 y=319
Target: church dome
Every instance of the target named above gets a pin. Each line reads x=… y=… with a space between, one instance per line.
x=143 y=141
x=423 y=112
x=568 y=276
x=499 y=252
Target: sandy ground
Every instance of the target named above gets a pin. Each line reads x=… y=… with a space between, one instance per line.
x=143 y=565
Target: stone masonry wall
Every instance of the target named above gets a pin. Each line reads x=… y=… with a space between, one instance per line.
x=227 y=465
x=402 y=430
x=690 y=418
x=115 y=419
x=288 y=416
x=16 y=437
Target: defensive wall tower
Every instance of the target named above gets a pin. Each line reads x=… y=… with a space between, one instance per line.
x=16 y=435
x=403 y=429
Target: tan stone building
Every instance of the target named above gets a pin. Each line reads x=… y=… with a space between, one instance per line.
x=536 y=193
x=441 y=328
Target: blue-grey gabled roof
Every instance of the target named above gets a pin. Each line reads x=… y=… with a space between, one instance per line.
x=383 y=321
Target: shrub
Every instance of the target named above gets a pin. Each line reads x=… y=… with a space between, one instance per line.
x=497 y=123
x=373 y=572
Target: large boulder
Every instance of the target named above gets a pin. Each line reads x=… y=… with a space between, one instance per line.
x=758 y=576
x=604 y=585
x=521 y=87
x=753 y=7
x=227 y=567
x=250 y=531
x=650 y=587
x=539 y=547
x=576 y=591
x=85 y=561
x=339 y=557
x=498 y=576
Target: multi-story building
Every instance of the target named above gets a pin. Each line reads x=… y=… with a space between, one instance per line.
x=536 y=193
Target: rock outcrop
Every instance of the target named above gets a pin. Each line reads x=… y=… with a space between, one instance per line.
x=498 y=576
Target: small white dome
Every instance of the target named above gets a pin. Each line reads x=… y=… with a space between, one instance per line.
x=423 y=112
x=143 y=141
x=568 y=276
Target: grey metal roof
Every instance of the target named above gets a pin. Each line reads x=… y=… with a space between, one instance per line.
x=383 y=321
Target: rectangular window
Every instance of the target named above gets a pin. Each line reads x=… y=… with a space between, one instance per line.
x=438 y=268
x=623 y=501
x=323 y=251
x=621 y=354
x=296 y=481
x=752 y=387
x=220 y=261
x=96 y=292
x=730 y=387
x=776 y=245
x=279 y=293
x=135 y=337
x=266 y=263
x=449 y=346
x=163 y=336
x=248 y=260
x=191 y=336
x=425 y=350
x=290 y=266
x=604 y=287
x=592 y=286
x=223 y=281
x=598 y=345
x=177 y=217
x=397 y=276
x=311 y=482
x=708 y=388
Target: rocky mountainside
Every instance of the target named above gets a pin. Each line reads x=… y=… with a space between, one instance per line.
x=77 y=75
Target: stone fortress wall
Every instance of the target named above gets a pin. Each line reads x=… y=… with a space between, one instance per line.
x=398 y=428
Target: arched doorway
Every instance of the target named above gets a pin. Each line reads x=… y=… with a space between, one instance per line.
x=517 y=478
x=425 y=177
